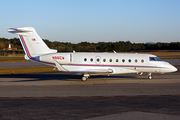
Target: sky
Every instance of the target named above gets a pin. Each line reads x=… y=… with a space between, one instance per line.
x=75 y=21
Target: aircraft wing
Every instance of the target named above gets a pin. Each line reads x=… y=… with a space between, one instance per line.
x=94 y=71
x=85 y=71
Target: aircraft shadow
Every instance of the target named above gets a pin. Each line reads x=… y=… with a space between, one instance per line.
x=57 y=76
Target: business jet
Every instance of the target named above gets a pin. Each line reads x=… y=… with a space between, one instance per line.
x=89 y=63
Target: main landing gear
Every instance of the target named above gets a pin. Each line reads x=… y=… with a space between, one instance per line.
x=85 y=77
x=149 y=76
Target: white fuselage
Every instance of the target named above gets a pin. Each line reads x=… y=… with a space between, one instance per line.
x=114 y=63
x=88 y=63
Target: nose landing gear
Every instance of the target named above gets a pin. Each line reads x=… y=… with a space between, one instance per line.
x=149 y=76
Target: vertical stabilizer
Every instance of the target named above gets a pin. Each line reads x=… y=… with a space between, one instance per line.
x=32 y=44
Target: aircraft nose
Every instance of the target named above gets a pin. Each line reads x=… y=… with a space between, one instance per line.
x=174 y=69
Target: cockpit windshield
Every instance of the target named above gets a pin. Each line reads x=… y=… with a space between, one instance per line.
x=154 y=59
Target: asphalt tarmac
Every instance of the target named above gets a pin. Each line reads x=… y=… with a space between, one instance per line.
x=21 y=64
x=109 y=108
x=59 y=84
x=63 y=96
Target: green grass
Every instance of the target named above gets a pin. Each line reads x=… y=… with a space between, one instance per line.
x=12 y=59
x=24 y=70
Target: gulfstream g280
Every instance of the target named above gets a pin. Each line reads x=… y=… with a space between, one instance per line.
x=88 y=63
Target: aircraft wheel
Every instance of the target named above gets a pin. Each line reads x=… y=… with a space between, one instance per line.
x=84 y=78
x=149 y=77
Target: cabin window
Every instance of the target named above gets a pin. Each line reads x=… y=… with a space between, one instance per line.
x=85 y=59
x=104 y=60
x=117 y=60
x=142 y=61
x=91 y=59
x=110 y=60
x=98 y=59
x=123 y=60
x=136 y=60
x=129 y=60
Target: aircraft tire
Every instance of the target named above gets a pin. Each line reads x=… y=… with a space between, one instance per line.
x=150 y=77
x=84 y=78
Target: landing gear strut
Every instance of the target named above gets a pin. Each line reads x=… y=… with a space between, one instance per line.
x=149 y=76
x=85 y=77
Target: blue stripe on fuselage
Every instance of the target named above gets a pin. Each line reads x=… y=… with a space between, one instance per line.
x=24 y=46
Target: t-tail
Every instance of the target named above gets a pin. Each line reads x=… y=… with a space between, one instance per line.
x=32 y=44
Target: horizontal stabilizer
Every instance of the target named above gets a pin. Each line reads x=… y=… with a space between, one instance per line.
x=20 y=29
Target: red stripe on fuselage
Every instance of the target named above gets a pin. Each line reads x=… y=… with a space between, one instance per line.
x=111 y=65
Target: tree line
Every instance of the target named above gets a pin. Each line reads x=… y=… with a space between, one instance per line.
x=120 y=46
